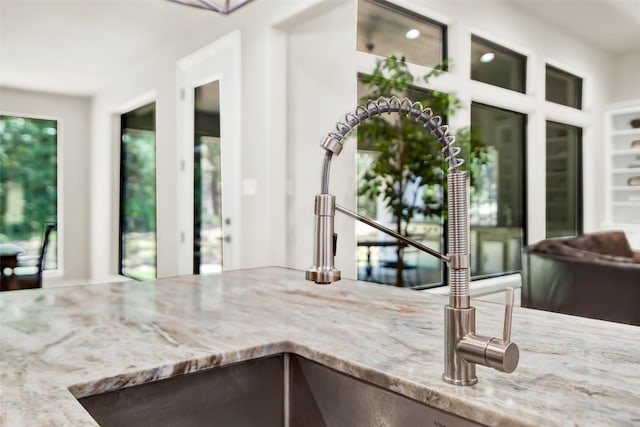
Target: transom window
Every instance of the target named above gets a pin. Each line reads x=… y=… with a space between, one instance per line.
x=385 y=29
x=497 y=65
x=563 y=88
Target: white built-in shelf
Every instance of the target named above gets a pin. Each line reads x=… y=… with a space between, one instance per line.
x=630 y=204
x=622 y=206
x=626 y=188
x=624 y=132
x=626 y=171
x=630 y=151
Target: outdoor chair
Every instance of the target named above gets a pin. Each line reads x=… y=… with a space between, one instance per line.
x=30 y=268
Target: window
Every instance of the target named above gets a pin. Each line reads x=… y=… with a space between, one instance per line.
x=497 y=195
x=564 y=180
x=138 y=194
x=494 y=147
x=385 y=29
x=28 y=183
x=497 y=65
x=410 y=206
x=563 y=88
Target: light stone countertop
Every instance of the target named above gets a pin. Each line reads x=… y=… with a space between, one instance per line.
x=82 y=340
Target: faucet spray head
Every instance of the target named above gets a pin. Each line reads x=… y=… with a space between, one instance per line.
x=323 y=271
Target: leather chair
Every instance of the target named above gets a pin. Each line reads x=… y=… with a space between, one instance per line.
x=593 y=275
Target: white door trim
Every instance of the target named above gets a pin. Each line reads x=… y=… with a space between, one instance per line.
x=220 y=60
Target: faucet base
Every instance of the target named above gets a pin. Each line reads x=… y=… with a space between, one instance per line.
x=458 y=323
x=453 y=381
x=322 y=276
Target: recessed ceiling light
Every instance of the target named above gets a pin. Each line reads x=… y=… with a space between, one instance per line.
x=412 y=34
x=487 y=57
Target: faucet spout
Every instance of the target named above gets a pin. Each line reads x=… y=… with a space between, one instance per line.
x=392 y=233
x=463 y=347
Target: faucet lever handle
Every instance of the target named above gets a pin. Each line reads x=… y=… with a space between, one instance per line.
x=508 y=315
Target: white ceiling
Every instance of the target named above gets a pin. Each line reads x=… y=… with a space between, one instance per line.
x=611 y=25
x=78 y=46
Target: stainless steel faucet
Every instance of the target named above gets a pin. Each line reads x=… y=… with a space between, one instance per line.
x=463 y=347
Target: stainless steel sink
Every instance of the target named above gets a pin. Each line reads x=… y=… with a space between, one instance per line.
x=281 y=390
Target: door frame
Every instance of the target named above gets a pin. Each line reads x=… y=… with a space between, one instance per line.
x=220 y=60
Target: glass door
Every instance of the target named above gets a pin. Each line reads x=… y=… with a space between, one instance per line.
x=138 y=193
x=207 y=176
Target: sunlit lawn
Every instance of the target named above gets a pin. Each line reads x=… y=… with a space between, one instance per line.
x=139 y=260
x=140 y=253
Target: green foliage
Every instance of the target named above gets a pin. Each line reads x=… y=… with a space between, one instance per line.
x=28 y=168
x=408 y=164
x=139 y=186
x=138 y=202
x=408 y=161
x=208 y=153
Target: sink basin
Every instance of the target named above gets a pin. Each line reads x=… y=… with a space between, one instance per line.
x=281 y=390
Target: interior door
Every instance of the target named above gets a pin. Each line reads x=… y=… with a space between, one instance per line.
x=209 y=228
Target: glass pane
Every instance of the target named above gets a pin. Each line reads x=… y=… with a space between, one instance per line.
x=138 y=193
x=28 y=185
x=563 y=88
x=497 y=65
x=385 y=29
x=208 y=233
x=497 y=191
x=411 y=205
x=564 y=178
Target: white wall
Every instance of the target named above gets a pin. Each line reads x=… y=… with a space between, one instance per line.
x=74 y=115
x=321 y=89
x=626 y=77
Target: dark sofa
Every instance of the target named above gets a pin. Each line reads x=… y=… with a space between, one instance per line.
x=593 y=275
